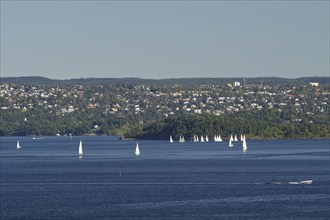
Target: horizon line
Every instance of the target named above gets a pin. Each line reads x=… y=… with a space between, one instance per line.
x=206 y=77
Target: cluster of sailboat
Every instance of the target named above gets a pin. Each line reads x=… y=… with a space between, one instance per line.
x=217 y=138
x=201 y=139
x=243 y=139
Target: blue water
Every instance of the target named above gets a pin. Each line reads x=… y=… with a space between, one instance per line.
x=45 y=179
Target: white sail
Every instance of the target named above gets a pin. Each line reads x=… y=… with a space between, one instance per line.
x=194 y=140
x=18 y=146
x=230 y=142
x=137 y=150
x=244 y=147
x=171 y=140
x=220 y=140
x=231 y=138
x=215 y=138
x=181 y=139
x=80 y=150
x=202 y=138
x=242 y=138
x=235 y=138
x=206 y=138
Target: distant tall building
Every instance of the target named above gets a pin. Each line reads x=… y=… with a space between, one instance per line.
x=237 y=84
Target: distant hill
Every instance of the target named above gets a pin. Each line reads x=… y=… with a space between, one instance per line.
x=27 y=80
x=181 y=81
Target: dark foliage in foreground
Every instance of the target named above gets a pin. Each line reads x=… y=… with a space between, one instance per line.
x=255 y=124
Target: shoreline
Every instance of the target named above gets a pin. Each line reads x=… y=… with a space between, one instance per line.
x=119 y=137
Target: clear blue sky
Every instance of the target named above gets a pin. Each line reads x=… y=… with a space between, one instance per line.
x=164 y=39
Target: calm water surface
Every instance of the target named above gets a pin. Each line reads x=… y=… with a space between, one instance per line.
x=45 y=179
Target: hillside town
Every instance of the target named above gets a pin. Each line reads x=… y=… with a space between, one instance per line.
x=164 y=100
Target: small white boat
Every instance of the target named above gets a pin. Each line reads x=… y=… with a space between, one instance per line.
x=202 y=138
x=181 y=139
x=18 y=146
x=306 y=182
x=230 y=142
x=244 y=146
x=137 y=150
x=171 y=139
x=206 y=138
x=80 y=149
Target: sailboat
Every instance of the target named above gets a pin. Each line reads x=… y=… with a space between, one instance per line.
x=18 y=146
x=217 y=138
x=137 y=149
x=206 y=138
x=230 y=141
x=181 y=140
x=202 y=138
x=231 y=137
x=235 y=139
x=80 y=150
x=171 y=139
x=244 y=146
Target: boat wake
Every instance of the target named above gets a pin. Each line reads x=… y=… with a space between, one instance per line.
x=295 y=182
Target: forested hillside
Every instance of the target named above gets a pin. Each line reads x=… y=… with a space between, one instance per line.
x=255 y=124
